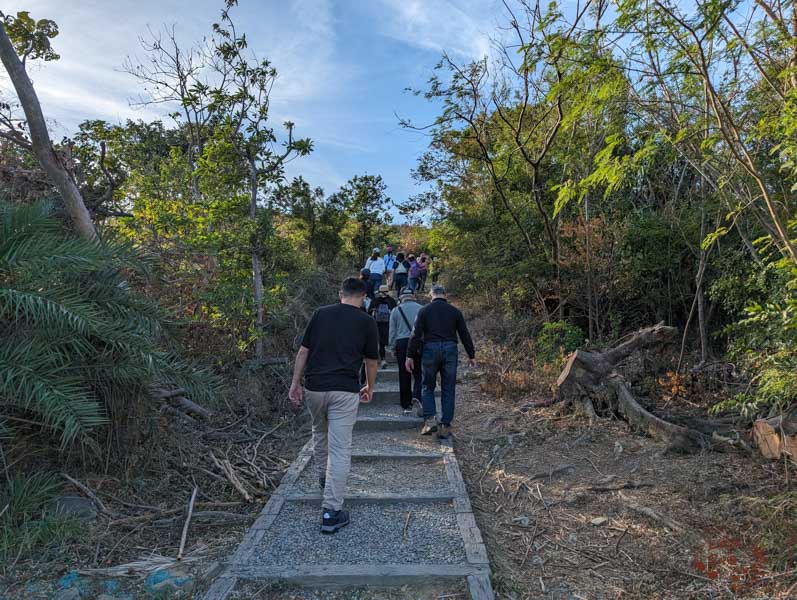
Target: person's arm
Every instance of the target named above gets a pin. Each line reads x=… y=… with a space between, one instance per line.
x=391 y=338
x=371 y=367
x=371 y=362
x=464 y=336
x=295 y=393
x=416 y=338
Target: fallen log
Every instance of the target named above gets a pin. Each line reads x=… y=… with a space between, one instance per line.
x=184 y=404
x=678 y=438
x=590 y=379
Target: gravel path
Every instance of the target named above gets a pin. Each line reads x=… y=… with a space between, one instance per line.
x=449 y=590
x=376 y=476
x=376 y=535
x=405 y=440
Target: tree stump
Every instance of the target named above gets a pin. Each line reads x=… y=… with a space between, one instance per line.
x=776 y=437
x=590 y=376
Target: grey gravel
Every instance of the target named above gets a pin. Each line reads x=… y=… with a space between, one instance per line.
x=375 y=536
x=387 y=411
x=378 y=476
x=256 y=590
x=400 y=441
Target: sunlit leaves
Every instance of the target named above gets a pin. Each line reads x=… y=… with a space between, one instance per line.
x=31 y=38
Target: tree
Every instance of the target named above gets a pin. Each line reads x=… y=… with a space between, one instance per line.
x=319 y=220
x=221 y=96
x=22 y=38
x=242 y=109
x=364 y=201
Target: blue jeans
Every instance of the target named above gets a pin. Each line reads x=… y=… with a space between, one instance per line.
x=413 y=283
x=439 y=357
x=376 y=279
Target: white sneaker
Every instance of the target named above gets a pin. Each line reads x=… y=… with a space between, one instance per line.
x=383 y=365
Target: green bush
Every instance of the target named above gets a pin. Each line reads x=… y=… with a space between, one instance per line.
x=77 y=344
x=556 y=339
x=764 y=342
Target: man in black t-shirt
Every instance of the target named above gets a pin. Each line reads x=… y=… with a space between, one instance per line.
x=336 y=341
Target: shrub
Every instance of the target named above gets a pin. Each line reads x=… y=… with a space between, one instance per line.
x=556 y=339
x=77 y=344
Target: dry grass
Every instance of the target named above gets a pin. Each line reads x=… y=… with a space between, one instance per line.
x=147 y=496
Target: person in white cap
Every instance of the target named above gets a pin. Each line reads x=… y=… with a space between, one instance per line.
x=376 y=265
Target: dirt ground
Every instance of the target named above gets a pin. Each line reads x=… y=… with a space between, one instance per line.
x=570 y=511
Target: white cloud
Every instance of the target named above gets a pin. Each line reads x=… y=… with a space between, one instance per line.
x=461 y=27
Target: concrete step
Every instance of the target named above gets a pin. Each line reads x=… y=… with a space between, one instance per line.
x=387 y=423
x=386 y=375
x=383 y=477
x=339 y=575
x=388 y=393
x=401 y=441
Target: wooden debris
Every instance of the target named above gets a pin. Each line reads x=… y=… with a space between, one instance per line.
x=89 y=494
x=184 y=536
x=651 y=514
x=229 y=472
x=776 y=437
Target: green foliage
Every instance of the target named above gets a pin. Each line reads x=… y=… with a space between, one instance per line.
x=31 y=38
x=25 y=522
x=364 y=200
x=764 y=341
x=76 y=343
x=557 y=339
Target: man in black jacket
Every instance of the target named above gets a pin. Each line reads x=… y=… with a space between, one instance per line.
x=437 y=327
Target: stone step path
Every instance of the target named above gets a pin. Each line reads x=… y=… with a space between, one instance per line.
x=412 y=522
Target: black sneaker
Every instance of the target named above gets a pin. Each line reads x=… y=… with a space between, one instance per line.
x=333 y=520
x=444 y=432
x=429 y=426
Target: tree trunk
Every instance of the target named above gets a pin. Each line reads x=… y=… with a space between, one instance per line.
x=591 y=317
x=589 y=376
x=257 y=266
x=40 y=139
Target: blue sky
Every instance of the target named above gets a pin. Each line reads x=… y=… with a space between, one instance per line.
x=343 y=67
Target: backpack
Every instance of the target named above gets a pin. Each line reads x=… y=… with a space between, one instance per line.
x=382 y=313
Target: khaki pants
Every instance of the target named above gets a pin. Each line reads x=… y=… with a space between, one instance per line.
x=333 y=414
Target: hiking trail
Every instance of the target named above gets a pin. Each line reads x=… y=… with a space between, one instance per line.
x=411 y=519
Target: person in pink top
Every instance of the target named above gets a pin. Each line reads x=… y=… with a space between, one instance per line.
x=423 y=271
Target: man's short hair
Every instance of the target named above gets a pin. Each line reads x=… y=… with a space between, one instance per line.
x=352 y=286
x=438 y=290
